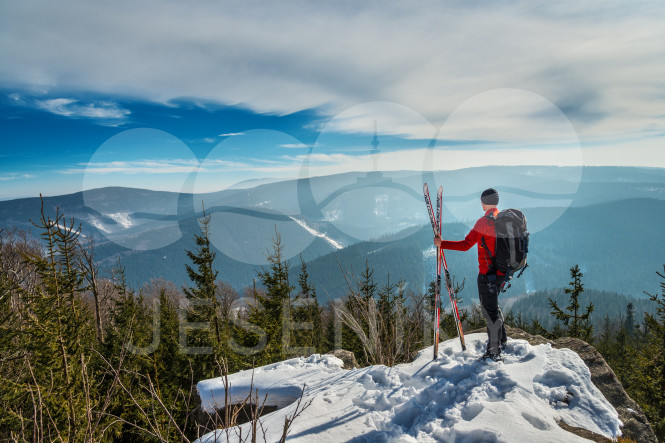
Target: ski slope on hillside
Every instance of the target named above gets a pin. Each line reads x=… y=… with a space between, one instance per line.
x=456 y=398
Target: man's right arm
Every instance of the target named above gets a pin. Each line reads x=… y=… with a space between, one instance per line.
x=469 y=241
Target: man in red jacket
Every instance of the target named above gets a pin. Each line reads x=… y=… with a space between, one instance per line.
x=483 y=235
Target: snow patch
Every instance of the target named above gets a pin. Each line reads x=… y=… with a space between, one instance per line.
x=122 y=218
x=429 y=253
x=316 y=233
x=99 y=225
x=455 y=398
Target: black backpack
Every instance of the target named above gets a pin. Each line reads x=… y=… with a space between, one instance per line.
x=512 y=244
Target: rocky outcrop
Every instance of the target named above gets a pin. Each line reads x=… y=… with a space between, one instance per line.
x=635 y=424
x=347 y=357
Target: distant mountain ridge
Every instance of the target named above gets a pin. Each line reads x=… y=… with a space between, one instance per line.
x=612 y=227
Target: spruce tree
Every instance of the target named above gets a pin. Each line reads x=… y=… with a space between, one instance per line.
x=56 y=383
x=652 y=364
x=272 y=309
x=204 y=335
x=629 y=322
x=605 y=341
x=307 y=316
x=578 y=323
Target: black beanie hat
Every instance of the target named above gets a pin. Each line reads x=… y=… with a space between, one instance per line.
x=490 y=197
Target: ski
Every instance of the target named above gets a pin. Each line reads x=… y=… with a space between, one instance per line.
x=430 y=210
x=449 y=283
x=435 y=220
x=453 y=301
x=437 y=291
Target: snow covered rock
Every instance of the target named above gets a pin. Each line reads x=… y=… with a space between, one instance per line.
x=347 y=357
x=635 y=424
x=455 y=398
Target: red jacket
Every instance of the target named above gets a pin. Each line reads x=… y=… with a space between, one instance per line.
x=484 y=228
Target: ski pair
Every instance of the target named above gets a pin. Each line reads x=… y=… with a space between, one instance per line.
x=441 y=262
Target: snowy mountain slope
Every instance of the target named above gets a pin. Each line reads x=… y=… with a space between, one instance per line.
x=456 y=398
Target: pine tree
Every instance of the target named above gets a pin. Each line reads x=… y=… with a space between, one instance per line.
x=332 y=332
x=272 y=310
x=129 y=335
x=367 y=287
x=171 y=371
x=53 y=389
x=204 y=335
x=578 y=324
x=386 y=323
x=652 y=364
x=307 y=316
x=629 y=322
x=605 y=342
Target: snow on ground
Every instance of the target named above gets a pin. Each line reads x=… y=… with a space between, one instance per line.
x=122 y=218
x=314 y=232
x=99 y=225
x=456 y=398
x=66 y=228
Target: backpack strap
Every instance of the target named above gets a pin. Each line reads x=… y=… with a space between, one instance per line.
x=491 y=218
x=484 y=245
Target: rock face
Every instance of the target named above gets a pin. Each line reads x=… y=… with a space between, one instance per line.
x=635 y=423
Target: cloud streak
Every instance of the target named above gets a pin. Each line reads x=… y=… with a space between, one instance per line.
x=103 y=112
x=68 y=107
x=157 y=166
x=294 y=146
x=11 y=177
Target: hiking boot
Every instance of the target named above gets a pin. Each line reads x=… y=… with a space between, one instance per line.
x=502 y=345
x=494 y=356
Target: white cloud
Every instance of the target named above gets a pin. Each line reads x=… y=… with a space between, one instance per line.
x=231 y=134
x=174 y=166
x=294 y=146
x=602 y=63
x=10 y=177
x=68 y=107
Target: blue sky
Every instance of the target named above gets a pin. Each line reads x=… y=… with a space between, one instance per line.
x=99 y=94
x=48 y=149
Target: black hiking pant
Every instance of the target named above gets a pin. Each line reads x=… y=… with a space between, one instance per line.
x=488 y=292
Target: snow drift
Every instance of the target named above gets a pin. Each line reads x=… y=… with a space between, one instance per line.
x=455 y=398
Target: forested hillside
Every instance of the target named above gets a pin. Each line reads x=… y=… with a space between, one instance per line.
x=107 y=361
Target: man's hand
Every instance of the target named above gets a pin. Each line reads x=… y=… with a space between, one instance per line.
x=437 y=241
